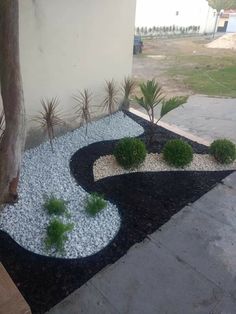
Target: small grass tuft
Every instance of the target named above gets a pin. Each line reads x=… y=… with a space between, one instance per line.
x=94 y=204
x=55 y=206
x=56 y=234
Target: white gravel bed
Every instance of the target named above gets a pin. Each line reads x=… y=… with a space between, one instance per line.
x=107 y=166
x=45 y=173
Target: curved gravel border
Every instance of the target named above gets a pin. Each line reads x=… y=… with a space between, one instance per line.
x=45 y=173
x=107 y=166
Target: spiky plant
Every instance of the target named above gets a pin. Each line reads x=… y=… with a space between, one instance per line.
x=2 y=124
x=152 y=96
x=49 y=117
x=111 y=99
x=127 y=88
x=82 y=108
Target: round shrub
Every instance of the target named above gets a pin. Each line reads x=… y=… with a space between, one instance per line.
x=130 y=152
x=178 y=153
x=223 y=150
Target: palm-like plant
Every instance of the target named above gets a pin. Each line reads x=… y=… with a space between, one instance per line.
x=111 y=99
x=49 y=117
x=152 y=96
x=171 y=104
x=82 y=109
x=127 y=88
x=2 y=124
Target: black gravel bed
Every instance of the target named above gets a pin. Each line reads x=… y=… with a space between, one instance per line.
x=145 y=200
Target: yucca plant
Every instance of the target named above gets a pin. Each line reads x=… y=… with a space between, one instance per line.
x=171 y=104
x=49 y=117
x=127 y=88
x=82 y=108
x=2 y=124
x=111 y=99
x=152 y=96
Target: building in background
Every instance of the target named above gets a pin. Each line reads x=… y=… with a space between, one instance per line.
x=176 y=13
x=227 y=22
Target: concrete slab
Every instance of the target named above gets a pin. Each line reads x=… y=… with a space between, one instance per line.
x=220 y=204
x=226 y=306
x=230 y=181
x=206 y=244
x=207 y=117
x=220 y=195
x=187 y=266
x=86 y=300
x=149 y=279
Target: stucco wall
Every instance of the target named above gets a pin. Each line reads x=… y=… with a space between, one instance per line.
x=70 y=45
x=151 y=13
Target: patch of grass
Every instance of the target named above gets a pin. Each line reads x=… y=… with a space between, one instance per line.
x=94 y=204
x=55 y=206
x=207 y=75
x=56 y=234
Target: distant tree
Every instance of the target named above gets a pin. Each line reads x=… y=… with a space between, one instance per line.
x=219 y=5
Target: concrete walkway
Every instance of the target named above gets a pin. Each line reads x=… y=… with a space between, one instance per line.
x=208 y=118
x=186 y=267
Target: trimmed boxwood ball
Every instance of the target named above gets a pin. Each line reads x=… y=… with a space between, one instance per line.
x=223 y=150
x=130 y=152
x=178 y=153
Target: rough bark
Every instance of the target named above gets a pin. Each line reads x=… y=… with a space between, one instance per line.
x=12 y=142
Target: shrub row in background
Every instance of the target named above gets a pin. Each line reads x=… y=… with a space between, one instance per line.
x=131 y=152
x=172 y=30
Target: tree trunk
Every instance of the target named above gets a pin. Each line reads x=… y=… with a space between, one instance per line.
x=13 y=139
x=216 y=24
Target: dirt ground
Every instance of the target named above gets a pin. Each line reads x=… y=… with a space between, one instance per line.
x=177 y=64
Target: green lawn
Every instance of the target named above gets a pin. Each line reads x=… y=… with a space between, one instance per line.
x=206 y=75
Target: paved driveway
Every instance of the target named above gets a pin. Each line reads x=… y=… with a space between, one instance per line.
x=188 y=266
x=209 y=118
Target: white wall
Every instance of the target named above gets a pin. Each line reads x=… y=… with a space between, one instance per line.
x=151 y=13
x=68 y=45
x=231 y=28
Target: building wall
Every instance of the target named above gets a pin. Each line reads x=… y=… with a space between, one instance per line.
x=70 y=45
x=222 y=21
x=232 y=24
x=185 y=13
